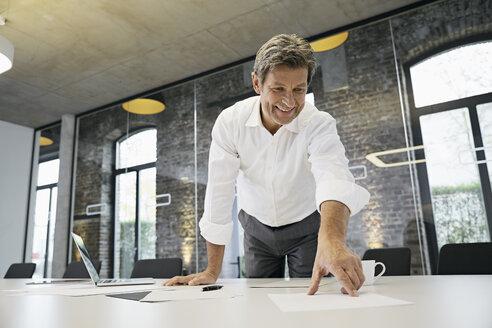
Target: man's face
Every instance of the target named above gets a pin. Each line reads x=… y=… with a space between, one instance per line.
x=282 y=95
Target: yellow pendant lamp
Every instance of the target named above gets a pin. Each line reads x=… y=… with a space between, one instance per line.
x=43 y=141
x=144 y=106
x=329 y=43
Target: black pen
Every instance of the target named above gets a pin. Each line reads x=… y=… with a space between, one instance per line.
x=213 y=287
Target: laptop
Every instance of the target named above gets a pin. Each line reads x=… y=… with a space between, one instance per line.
x=93 y=273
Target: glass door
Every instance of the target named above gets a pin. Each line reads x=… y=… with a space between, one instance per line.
x=454 y=178
x=450 y=99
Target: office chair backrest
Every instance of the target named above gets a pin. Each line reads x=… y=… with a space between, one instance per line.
x=157 y=268
x=397 y=260
x=77 y=269
x=471 y=258
x=21 y=270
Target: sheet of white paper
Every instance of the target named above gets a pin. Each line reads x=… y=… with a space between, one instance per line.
x=187 y=294
x=290 y=283
x=85 y=290
x=331 y=301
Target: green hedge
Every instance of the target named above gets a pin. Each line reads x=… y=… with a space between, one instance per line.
x=459 y=214
x=127 y=244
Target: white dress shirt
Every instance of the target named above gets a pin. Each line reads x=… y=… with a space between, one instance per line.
x=281 y=178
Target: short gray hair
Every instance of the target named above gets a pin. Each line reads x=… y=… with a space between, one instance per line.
x=285 y=49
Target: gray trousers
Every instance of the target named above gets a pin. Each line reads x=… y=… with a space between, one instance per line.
x=265 y=247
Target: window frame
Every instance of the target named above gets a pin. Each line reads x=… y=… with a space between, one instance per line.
x=415 y=113
x=119 y=171
x=50 y=186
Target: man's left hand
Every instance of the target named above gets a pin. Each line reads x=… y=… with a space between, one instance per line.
x=340 y=261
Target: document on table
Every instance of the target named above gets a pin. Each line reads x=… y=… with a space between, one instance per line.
x=290 y=283
x=84 y=290
x=331 y=301
x=187 y=294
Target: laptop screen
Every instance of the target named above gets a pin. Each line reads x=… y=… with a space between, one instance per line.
x=85 y=257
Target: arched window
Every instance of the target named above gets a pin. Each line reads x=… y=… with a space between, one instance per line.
x=458 y=73
x=137 y=149
x=135 y=215
x=451 y=110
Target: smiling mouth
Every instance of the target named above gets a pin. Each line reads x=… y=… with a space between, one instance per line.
x=284 y=110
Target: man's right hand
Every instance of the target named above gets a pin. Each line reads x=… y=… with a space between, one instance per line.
x=215 y=254
x=202 y=278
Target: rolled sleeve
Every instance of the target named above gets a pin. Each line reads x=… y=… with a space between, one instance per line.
x=353 y=196
x=219 y=234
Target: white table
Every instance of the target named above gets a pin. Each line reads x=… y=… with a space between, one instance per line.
x=439 y=301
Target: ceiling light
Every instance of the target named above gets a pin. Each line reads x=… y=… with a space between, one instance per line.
x=374 y=157
x=329 y=43
x=6 y=54
x=43 y=141
x=144 y=106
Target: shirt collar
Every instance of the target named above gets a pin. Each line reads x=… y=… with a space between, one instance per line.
x=254 y=118
x=295 y=126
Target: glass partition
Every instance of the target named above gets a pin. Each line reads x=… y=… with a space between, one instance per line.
x=175 y=185
x=448 y=89
x=147 y=203
x=95 y=191
x=134 y=186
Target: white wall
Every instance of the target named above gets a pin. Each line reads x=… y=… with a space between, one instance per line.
x=15 y=167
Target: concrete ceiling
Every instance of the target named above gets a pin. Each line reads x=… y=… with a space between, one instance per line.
x=74 y=56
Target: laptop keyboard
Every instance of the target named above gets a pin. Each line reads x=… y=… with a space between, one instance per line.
x=110 y=281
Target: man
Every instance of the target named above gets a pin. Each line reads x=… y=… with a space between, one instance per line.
x=294 y=187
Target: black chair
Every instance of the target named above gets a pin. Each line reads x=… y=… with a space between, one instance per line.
x=77 y=270
x=470 y=258
x=158 y=268
x=397 y=260
x=20 y=270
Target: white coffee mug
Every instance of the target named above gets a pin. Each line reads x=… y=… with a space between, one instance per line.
x=369 y=266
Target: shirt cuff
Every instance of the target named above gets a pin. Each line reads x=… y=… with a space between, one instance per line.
x=353 y=196
x=218 y=234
